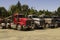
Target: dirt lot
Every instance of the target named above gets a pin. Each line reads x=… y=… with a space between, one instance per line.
x=47 y=34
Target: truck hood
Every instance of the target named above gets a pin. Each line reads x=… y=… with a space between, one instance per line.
x=37 y=19
x=23 y=19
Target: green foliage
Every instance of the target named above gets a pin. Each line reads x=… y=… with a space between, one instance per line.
x=32 y=11
x=58 y=11
x=48 y=13
x=40 y=12
x=24 y=9
x=3 y=12
x=44 y=12
x=15 y=8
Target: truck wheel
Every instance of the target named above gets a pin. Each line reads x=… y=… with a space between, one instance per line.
x=3 y=25
x=47 y=26
x=18 y=27
x=33 y=26
x=23 y=28
x=44 y=26
x=8 y=26
x=55 y=25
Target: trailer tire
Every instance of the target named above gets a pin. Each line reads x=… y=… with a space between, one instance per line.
x=3 y=25
x=8 y=26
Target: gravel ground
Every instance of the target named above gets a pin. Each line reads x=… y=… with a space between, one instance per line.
x=46 y=34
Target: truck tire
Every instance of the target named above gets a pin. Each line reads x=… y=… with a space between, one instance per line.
x=51 y=25
x=18 y=27
x=47 y=26
x=3 y=25
x=8 y=26
x=33 y=26
x=44 y=27
x=23 y=28
x=56 y=26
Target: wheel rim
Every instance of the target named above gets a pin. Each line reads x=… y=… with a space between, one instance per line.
x=19 y=27
x=55 y=25
x=33 y=26
x=47 y=25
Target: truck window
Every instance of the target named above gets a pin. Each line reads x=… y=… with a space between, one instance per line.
x=35 y=16
x=19 y=16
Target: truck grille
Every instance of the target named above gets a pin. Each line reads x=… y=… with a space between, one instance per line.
x=28 y=23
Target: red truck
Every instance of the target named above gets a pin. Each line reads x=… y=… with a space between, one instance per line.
x=22 y=23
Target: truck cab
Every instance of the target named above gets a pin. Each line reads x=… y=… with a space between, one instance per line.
x=22 y=23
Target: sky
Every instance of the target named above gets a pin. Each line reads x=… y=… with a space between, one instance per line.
x=50 y=5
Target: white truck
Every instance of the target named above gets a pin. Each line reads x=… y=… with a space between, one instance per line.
x=39 y=22
x=50 y=22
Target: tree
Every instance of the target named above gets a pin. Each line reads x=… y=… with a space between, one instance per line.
x=25 y=9
x=40 y=12
x=58 y=11
x=47 y=13
x=18 y=7
x=32 y=11
x=12 y=8
x=15 y=8
x=3 y=12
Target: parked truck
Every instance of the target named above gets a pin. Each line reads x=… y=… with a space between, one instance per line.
x=22 y=23
x=50 y=22
x=38 y=21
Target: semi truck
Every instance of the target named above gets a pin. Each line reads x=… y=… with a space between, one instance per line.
x=38 y=21
x=22 y=23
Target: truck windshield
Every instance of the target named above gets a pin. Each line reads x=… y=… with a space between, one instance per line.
x=19 y=16
x=35 y=16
